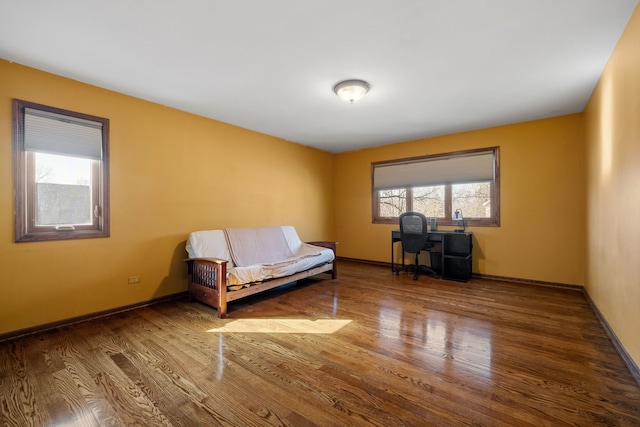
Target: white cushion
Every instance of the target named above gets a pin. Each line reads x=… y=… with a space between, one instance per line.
x=291 y=237
x=209 y=244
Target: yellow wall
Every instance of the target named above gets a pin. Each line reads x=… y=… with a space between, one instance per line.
x=171 y=173
x=541 y=236
x=613 y=191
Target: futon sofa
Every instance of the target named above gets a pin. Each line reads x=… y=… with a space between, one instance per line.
x=233 y=263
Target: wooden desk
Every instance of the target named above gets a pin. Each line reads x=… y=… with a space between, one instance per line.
x=455 y=256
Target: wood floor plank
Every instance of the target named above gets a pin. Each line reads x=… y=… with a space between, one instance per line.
x=18 y=398
x=59 y=395
x=370 y=348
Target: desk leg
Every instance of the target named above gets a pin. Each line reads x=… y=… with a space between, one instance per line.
x=392 y=257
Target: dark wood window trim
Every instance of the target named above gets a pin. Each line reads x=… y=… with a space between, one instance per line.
x=24 y=183
x=492 y=221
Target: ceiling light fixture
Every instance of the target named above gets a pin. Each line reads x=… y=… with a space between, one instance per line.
x=351 y=90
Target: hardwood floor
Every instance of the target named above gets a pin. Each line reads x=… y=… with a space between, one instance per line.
x=368 y=348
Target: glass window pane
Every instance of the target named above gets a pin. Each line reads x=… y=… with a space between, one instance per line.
x=474 y=200
x=61 y=171
x=63 y=190
x=429 y=201
x=392 y=202
x=455 y=186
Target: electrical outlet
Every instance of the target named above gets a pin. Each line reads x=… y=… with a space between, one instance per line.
x=134 y=279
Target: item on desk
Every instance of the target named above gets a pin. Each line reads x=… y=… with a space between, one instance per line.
x=457 y=216
x=433 y=223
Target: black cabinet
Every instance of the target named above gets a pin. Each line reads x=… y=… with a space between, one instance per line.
x=456 y=256
x=455 y=259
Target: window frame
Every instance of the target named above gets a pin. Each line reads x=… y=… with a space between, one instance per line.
x=492 y=221
x=24 y=179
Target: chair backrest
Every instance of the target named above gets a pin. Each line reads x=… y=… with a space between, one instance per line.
x=413 y=231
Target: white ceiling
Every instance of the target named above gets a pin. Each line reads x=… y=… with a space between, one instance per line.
x=435 y=66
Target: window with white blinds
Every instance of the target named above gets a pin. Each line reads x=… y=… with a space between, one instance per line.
x=61 y=173
x=53 y=133
x=438 y=185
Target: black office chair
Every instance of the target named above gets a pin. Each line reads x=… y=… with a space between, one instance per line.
x=413 y=235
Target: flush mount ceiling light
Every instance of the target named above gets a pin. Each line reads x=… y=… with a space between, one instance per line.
x=351 y=90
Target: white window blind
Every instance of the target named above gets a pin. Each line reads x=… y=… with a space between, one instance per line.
x=463 y=168
x=53 y=133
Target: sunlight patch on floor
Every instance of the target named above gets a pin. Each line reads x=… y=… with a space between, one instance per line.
x=283 y=326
